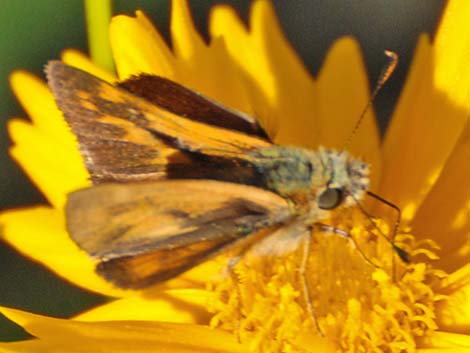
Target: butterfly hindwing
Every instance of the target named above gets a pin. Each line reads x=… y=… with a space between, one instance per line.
x=166 y=227
x=156 y=266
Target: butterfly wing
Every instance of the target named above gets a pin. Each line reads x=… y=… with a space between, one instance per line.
x=126 y=138
x=144 y=233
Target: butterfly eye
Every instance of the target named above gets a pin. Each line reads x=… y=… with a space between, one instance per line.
x=330 y=198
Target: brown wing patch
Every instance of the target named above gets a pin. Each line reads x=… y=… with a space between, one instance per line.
x=188 y=103
x=159 y=265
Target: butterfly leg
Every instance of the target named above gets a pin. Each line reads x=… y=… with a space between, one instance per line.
x=306 y=247
x=232 y=263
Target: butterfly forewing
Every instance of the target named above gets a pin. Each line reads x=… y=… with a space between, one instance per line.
x=126 y=138
x=179 y=222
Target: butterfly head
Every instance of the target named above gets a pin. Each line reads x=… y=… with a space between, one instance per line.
x=344 y=180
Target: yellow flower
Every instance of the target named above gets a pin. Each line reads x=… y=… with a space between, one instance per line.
x=422 y=166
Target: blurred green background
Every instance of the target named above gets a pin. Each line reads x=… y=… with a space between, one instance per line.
x=33 y=32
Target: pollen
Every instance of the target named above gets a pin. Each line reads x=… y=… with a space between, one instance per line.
x=361 y=295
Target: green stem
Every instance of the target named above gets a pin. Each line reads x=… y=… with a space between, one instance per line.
x=98 y=15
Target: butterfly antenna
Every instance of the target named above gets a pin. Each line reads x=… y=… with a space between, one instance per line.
x=384 y=76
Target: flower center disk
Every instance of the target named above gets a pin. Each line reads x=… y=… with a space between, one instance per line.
x=363 y=301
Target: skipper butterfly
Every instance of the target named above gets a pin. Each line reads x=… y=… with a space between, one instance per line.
x=179 y=178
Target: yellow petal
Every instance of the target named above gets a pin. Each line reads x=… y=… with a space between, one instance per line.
x=445 y=213
x=314 y=342
x=179 y=305
x=61 y=335
x=451 y=53
x=343 y=94
x=56 y=168
x=447 y=342
x=46 y=149
x=187 y=42
x=36 y=98
x=453 y=313
x=280 y=86
x=241 y=84
x=431 y=112
x=138 y=47
x=208 y=69
x=406 y=176
x=40 y=233
x=79 y=60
